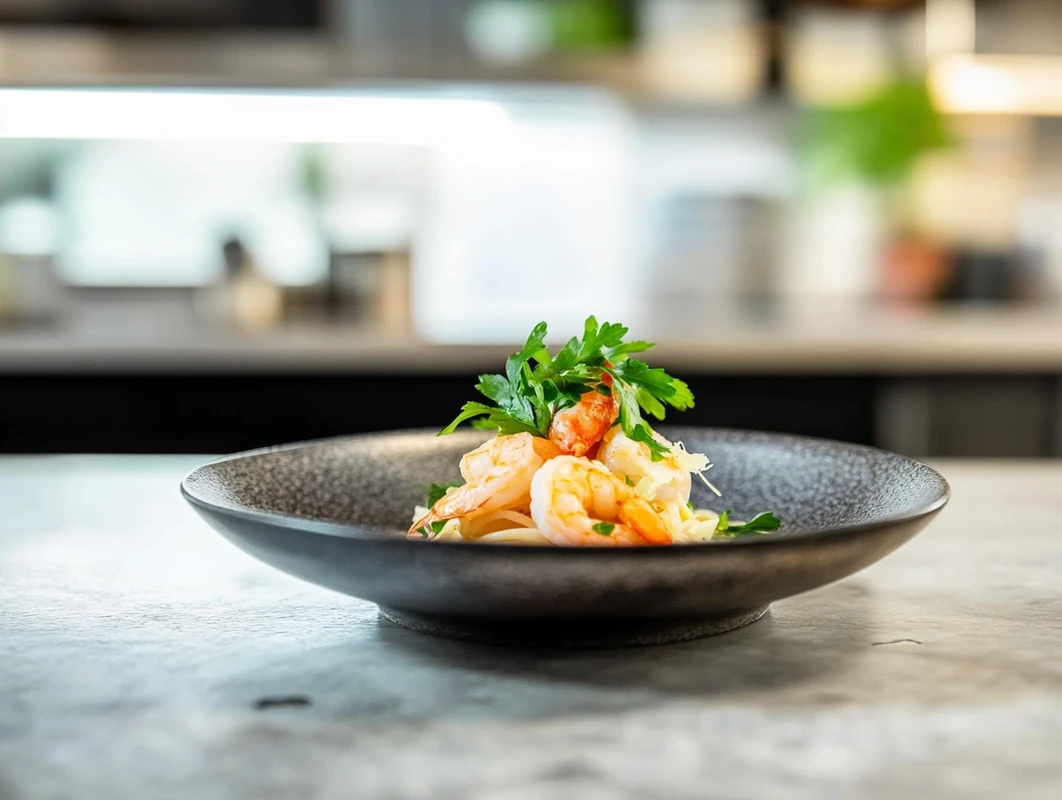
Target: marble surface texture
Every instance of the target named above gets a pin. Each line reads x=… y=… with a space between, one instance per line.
x=143 y=656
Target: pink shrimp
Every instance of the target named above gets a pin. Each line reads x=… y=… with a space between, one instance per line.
x=630 y=459
x=578 y=502
x=577 y=430
x=498 y=475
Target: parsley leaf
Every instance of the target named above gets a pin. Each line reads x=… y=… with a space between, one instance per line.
x=655 y=382
x=640 y=387
x=616 y=354
x=496 y=418
x=630 y=419
x=468 y=411
x=519 y=407
x=604 y=528
x=766 y=522
x=536 y=386
x=534 y=347
x=437 y=490
x=509 y=398
x=590 y=348
x=496 y=388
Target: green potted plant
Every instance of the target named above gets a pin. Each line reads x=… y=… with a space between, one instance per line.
x=876 y=143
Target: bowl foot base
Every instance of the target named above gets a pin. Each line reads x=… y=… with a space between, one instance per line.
x=572 y=634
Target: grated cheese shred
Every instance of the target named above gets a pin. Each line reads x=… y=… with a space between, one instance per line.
x=697 y=463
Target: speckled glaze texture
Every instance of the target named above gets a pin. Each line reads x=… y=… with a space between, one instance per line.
x=334 y=512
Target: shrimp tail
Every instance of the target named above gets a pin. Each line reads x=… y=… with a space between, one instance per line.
x=455 y=503
x=423 y=522
x=641 y=516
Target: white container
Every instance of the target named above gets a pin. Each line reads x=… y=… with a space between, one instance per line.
x=538 y=228
x=834 y=246
x=702 y=51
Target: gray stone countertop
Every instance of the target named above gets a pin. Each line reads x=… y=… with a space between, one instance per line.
x=141 y=656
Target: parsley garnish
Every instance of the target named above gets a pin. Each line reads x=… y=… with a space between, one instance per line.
x=435 y=493
x=627 y=479
x=604 y=528
x=761 y=523
x=536 y=385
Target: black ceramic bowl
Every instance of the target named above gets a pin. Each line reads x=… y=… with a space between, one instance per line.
x=334 y=512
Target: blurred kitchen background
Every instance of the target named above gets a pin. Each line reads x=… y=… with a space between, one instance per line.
x=231 y=223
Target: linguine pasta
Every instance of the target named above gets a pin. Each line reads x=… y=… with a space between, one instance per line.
x=505 y=526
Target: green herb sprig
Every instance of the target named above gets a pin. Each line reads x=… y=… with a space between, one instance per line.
x=766 y=522
x=536 y=385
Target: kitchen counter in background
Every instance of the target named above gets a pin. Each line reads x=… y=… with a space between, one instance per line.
x=146 y=375
x=816 y=338
x=141 y=655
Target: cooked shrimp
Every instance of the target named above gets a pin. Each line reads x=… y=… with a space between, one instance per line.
x=497 y=475
x=578 y=429
x=666 y=480
x=570 y=497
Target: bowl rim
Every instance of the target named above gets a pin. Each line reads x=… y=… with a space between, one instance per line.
x=377 y=535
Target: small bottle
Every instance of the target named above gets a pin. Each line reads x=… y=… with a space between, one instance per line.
x=246 y=298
